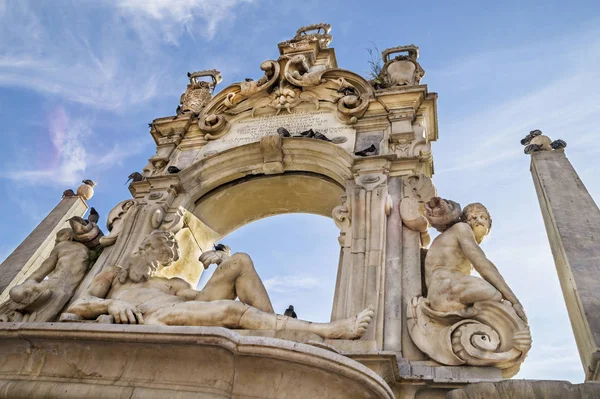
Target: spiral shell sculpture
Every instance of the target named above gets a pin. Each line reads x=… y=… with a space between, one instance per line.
x=488 y=333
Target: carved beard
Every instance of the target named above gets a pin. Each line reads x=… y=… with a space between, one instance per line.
x=480 y=231
x=142 y=272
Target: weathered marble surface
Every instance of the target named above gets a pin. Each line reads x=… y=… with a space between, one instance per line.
x=252 y=130
x=122 y=361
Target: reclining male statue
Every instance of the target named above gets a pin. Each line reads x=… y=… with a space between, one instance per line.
x=132 y=294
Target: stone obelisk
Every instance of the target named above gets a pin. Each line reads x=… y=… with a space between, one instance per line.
x=572 y=221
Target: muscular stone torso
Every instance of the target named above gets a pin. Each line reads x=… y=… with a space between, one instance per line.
x=151 y=295
x=446 y=257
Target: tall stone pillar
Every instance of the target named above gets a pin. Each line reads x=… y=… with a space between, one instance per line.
x=572 y=221
x=37 y=246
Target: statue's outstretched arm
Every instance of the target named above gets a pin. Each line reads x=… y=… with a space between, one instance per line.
x=486 y=269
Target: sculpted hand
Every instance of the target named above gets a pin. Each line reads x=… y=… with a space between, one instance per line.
x=210 y=257
x=125 y=313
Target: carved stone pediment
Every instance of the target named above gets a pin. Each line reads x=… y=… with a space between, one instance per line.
x=286 y=84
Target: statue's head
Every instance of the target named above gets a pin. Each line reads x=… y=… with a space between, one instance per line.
x=160 y=248
x=63 y=235
x=478 y=217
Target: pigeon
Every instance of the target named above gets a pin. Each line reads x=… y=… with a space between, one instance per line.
x=135 y=177
x=173 y=169
x=309 y=134
x=558 y=144
x=222 y=248
x=366 y=151
x=289 y=312
x=320 y=136
x=93 y=216
x=530 y=136
x=68 y=193
x=283 y=132
x=179 y=110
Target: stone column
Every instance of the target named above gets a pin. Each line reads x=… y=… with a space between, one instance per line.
x=394 y=307
x=572 y=221
x=28 y=256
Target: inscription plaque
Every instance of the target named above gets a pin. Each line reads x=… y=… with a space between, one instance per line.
x=252 y=130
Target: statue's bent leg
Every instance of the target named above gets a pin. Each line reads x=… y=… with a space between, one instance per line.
x=475 y=289
x=234 y=278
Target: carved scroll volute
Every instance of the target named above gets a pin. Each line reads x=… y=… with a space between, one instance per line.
x=213 y=125
x=418 y=189
x=341 y=217
x=240 y=97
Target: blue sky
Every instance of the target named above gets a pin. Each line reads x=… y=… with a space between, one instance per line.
x=80 y=81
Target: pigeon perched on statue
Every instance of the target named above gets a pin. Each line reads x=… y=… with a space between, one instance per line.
x=86 y=190
x=367 y=151
x=93 y=216
x=289 y=312
x=68 y=193
x=173 y=169
x=536 y=141
x=283 y=132
x=135 y=177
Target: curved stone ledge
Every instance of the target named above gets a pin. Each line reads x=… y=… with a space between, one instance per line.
x=90 y=360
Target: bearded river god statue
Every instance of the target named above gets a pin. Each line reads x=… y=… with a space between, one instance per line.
x=133 y=294
x=466 y=320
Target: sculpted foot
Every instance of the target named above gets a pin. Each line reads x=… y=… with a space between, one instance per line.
x=353 y=327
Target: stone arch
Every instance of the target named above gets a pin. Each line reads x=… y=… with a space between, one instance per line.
x=317 y=171
x=251 y=198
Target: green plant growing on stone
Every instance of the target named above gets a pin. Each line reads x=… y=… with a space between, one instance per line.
x=375 y=66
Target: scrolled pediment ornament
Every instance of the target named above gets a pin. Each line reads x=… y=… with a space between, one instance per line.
x=296 y=78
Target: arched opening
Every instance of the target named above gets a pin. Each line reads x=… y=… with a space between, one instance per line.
x=251 y=198
x=296 y=256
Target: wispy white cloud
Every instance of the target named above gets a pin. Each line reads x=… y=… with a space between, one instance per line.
x=73 y=151
x=67 y=156
x=174 y=17
x=110 y=63
x=286 y=284
x=564 y=103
